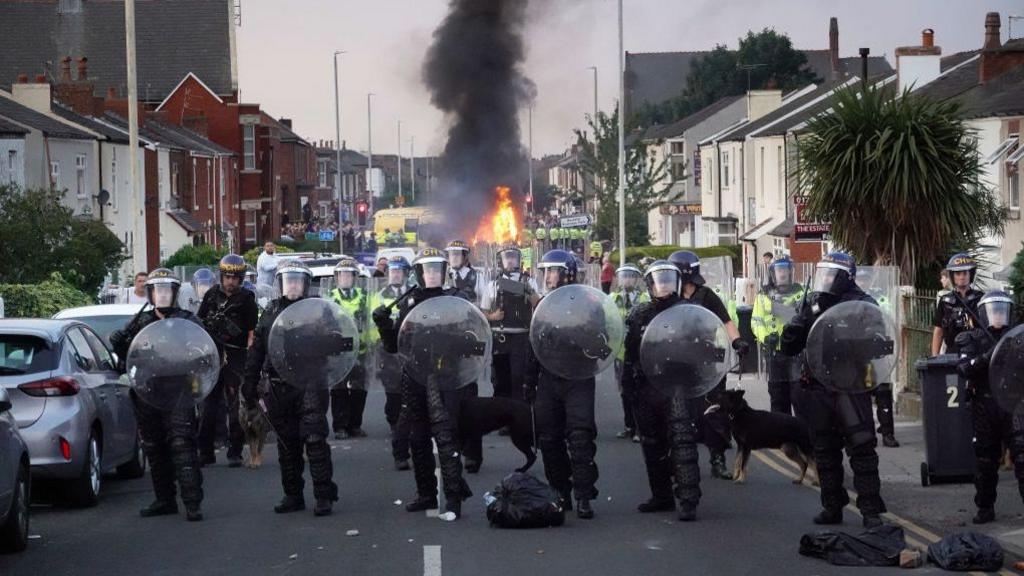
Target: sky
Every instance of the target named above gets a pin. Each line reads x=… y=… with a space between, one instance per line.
x=285 y=50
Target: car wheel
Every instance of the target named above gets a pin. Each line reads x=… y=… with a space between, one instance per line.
x=85 y=490
x=136 y=467
x=14 y=532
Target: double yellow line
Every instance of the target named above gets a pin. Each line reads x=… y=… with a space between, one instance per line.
x=916 y=536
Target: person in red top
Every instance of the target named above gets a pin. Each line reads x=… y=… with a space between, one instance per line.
x=607 y=274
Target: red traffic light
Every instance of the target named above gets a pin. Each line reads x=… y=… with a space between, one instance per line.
x=361 y=207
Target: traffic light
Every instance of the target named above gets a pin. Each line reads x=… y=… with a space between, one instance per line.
x=361 y=209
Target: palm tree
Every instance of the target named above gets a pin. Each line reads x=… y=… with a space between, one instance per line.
x=898 y=177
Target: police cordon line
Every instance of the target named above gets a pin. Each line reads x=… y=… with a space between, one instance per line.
x=431 y=330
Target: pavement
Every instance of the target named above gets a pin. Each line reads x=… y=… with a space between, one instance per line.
x=754 y=528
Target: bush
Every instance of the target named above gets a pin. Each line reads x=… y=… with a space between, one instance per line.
x=42 y=300
x=635 y=253
x=252 y=254
x=202 y=255
x=1017 y=281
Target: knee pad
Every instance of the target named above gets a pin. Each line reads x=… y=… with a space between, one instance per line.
x=314 y=439
x=181 y=444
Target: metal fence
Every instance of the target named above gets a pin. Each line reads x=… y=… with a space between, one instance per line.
x=916 y=337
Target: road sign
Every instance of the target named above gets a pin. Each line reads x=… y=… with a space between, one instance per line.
x=327 y=235
x=575 y=221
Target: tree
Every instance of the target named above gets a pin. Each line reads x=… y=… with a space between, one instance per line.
x=767 y=56
x=38 y=235
x=899 y=177
x=647 y=180
x=1017 y=281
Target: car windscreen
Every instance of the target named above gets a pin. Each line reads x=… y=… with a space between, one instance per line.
x=23 y=354
x=104 y=326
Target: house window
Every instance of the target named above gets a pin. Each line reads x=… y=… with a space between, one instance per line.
x=55 y=175
x=725 y=170
x=677 y=147
x=175 y=182
x=760 y=184
x=321 y=174
x=195 y=191
x=12 y=161
x=223 y=180
x=781 y=174
x=113 y=176
x=80 y=185
x=1013 y=185
x=160 y=184
x=209 y=191
x=250 y=227
x=249 y=138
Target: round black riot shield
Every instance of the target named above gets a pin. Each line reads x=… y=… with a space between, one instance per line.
x=170 y=361
x=576 y=332
x=851 y=347
x=685 y=351
x=313 y=344
x=444 y=340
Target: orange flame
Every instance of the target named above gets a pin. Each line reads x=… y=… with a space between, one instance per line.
x=502 y=224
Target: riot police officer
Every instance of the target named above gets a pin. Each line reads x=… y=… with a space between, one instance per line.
x=994 y=426
x=202 y=280
x=348 y=397
x=508 y=304
x=836 y=418
x=462 y=274
x=951 y=313
x=627 y=296
x=389 y=368
x=564 y=411
x=712 y=428
x=229 y=313
x=168 y=437
x=298 y=416
x=426 y=422
x=773 y=306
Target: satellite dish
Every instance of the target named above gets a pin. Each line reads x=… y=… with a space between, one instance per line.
x=103 y=197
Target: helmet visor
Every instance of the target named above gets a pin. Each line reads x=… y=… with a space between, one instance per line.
x=824 y=279
x=782 y=275
x=162 y=295
x=510 y=260
x=663 y=283
x=345 y=279
x=628 y=280
x=294 y=285
x=554 y=276
x=997 y=314
x=433 y=274
x=396 y=276
x=457 y=258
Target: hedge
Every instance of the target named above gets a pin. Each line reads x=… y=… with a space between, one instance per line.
x=1017 y=281
x=635 y=253
x=252 y=254
x=41 y=300
x=202 y=255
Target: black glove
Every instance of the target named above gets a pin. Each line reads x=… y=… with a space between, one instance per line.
x=382 y=316
x=771 y=342
x=741 y=347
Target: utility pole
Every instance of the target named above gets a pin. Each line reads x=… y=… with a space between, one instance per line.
x=399 y=158
x=337 y=150
x=622 y=145
x=137 y=240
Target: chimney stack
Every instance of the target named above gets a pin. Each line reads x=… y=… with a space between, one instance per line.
x=928 y=37
x=918 y=65
x=65 y=70
x=83 y=69
x=111 y=93
x=833 y=46
x=992 y=25
x=41 y=79
x=22 y=78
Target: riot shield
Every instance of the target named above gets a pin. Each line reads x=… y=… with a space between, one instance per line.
x=851 y=347
x=172 y=361
x=444 y=340
x=264 y=294
x=1006 y=370
x=313 y=344
x=576 y=332
x=717 y=273
x=188 y=299
x=685 y=351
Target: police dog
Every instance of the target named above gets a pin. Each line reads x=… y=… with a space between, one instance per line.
x=255 y=426
x=758 y=429
x=481 y=416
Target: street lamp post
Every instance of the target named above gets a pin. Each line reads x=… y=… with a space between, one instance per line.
x=622 y=145
x=412 y=166
x=529 y=160
x=369 y=150
x=399 y=159
x=337 y=150
x=594 y=68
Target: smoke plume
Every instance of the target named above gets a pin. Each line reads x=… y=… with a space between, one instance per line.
x=474 y=73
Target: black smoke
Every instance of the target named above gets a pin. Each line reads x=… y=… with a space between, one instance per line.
x=474 y=73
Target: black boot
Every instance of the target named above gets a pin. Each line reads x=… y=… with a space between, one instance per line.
x=454 y=506
x=566 y=501
x=872 y=521
x=207 y=459
x=889 y=441
x=402 y=464
x=687 y=512
x=323 y=507
x=193 y=513
x=420 y=504
x=718 y=468
x=159 y=508
x=583 y=509
x=984 y=516
x=471 y=466
x=656 y=505
x=290 y=504
x=827 y=516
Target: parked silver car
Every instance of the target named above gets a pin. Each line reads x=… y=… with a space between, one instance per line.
x=72 y=407
x=104 y=319
x=15 y=481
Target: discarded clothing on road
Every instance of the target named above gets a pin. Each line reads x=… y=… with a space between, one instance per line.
x=874 y=547
x=523 y=501
x=967 y=551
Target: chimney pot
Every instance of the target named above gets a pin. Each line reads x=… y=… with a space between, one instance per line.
x=111 y=93
x=833 y=45
x=928 y=37
x=65 y=69
x=83 y=68
x=22 y=78
x=40 y=79
x=992 y=25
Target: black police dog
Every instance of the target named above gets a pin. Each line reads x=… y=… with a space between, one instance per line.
x=481 y=416
x=758 y=429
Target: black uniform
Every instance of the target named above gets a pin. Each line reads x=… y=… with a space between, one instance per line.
x=564 y=412
x=511 y=333
x=429 y=413
x=951 y=316
x=994 y=427
x=229 y=319
x=667 y=430
x=713 y=429
x=836 y=419
x=299 y=417
x=465 y=282
x=168 y=437
x=389 y=370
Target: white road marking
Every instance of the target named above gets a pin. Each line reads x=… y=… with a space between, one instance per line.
x=431 y=561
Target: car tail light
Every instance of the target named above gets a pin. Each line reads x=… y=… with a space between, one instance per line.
x=61 y=386
x=65 y=449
